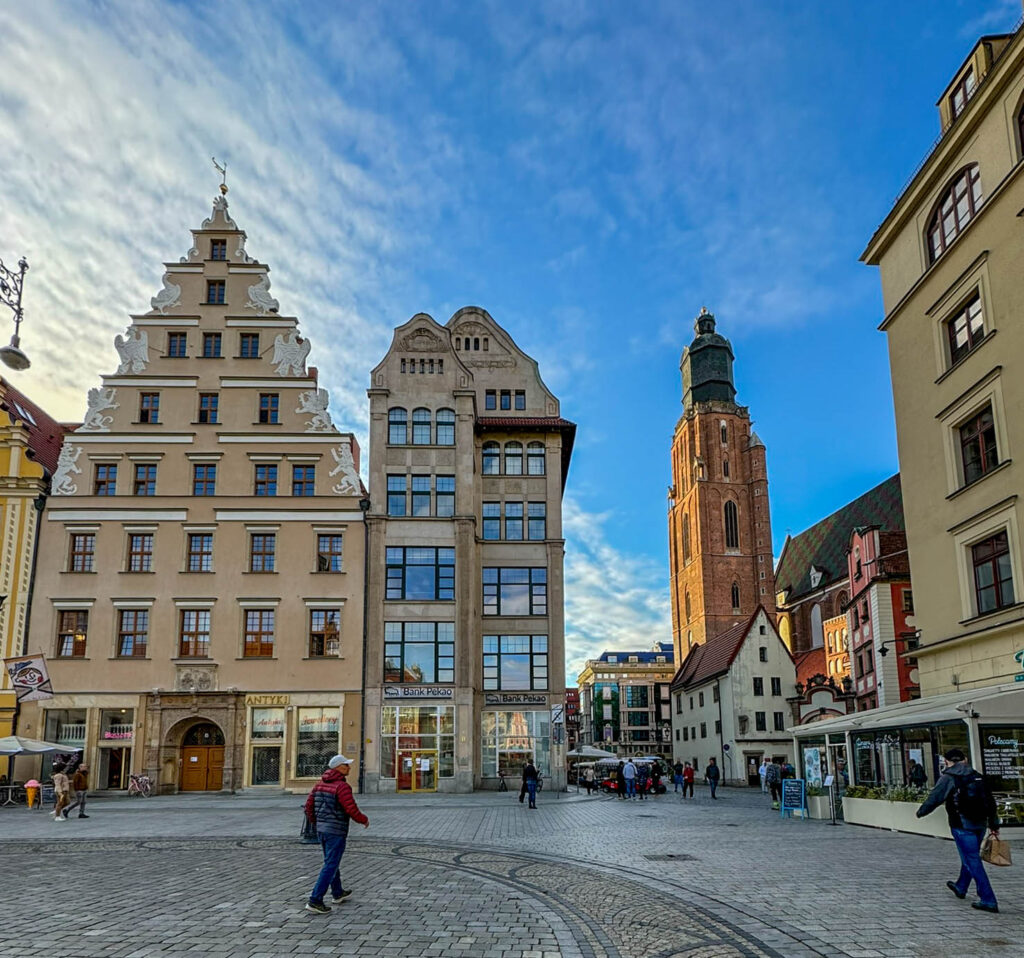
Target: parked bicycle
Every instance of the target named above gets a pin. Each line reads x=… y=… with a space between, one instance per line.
x=140 y=785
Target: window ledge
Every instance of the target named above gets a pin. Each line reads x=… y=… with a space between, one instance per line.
x=213 y=304
x=268 y=424
x=260 y=572
x=963 y=359
x=210 y=357
x=83 y=572
x=190 y=658
x=321 y=658
x=136 y=572
x=328 y=572
x=129 y=658
x=988 y=615
x=258 y=658
x=421 y=600
x=71 y=658
x=970 y=485
x=196 y=422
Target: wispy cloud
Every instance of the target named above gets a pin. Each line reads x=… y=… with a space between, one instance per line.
x=613 y=600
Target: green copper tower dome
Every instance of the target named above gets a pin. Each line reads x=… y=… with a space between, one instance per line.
x=706 y=365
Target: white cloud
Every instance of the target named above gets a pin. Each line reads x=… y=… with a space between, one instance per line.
x=613 y=600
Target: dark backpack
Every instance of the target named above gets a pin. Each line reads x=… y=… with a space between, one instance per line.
x=971 y=798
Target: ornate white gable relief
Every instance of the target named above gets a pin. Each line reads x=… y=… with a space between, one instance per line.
x=816 y=575
x=421 y=341
x=348 y=484
x=168 y=297
x=241 y=253
x=220 y=207
x=67 y=465
x=99 y=401
x=260 y=298
x=314 y=403
x=133 y=349
x=290 y=354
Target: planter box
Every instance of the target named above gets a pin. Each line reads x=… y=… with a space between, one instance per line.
x=818 y=807
x=896 y=816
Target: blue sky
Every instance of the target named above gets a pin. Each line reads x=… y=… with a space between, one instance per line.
x=590 y=173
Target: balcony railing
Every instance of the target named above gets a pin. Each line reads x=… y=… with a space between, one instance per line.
x=71 y=734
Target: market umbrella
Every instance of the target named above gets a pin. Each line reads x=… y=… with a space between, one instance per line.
x=16 y=745
x=588 y=751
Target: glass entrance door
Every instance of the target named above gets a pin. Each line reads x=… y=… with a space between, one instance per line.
x=417 y=771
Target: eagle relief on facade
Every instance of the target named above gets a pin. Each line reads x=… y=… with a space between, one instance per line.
x=290 y=354
x=168 y=297
x=133 y=350
x=99 y=400
x=260 y=298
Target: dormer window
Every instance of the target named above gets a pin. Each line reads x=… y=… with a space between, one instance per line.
x=954 y=211
x=962 y=92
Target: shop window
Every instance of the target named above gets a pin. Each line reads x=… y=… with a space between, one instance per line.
x=194 y=642
x=267 y=728
x=117 y=725
x=515 y=662
x=82 y=552
x=511 y=739
x=419 y=652
x=515 y=591
x=324 y=633
x=1002 y=756
x=140 y=552
x=418 y=574
x=409 y=729
x=132 y=632
x=329 y=552
x=72 y=633
x=204 y=479
x=259 y=633
x=317 y=740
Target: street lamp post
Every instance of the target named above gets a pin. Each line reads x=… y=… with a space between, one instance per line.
x=11 y=283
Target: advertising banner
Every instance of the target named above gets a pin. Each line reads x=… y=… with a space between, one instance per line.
x=29 y=677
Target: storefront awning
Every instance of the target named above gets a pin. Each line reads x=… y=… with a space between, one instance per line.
x=995 y=702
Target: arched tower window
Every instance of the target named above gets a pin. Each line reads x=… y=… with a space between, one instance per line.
x=724 y=429
x=736 y=595
x=732 y=526
x=689 y=607
x=686 y=537
x=397 y=419
x=725 y=468
x=954 y=211
x=817 y=634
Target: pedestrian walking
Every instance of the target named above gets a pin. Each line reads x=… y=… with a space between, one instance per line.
x=970 y=807
x=916 y=775
x=620 y=781
x=530 y=777
x=711 y=775
x=588 y=778
x=80 y=784
x=773 y=778
x=762 y=772
x=629 y=774
x=677 y=775
x=642 y=780
x=330 y=806
x=688 y=777
x=62 y=791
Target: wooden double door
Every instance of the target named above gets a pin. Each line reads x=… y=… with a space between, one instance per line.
x=202 y=768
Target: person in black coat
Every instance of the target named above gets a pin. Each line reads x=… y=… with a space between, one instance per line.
x=530 y=776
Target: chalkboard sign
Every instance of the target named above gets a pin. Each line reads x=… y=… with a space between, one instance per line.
x=792 y=795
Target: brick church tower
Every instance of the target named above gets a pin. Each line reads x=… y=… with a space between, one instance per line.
x=720 y=535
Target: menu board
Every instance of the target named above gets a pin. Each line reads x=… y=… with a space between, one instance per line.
x=792 y=794
x=1002 y=756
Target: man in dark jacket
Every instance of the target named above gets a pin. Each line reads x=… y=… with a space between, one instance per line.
x=711 y=775
x=80 y=783
x=330 y=806
x=530 y=776
x=969 y=807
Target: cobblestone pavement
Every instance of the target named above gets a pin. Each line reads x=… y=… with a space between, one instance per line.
x=483 y=876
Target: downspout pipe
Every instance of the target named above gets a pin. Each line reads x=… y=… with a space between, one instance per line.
x=364 y=507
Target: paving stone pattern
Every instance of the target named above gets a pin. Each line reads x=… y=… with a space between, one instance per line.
x=483 y=876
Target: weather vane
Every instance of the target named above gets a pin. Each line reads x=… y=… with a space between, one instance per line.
x=223 y=170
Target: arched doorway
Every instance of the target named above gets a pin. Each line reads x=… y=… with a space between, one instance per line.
x=202 y=758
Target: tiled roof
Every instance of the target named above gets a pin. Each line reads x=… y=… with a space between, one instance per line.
x=824 y=545
x=534 y=424
x=713 y=657
x=45 y=434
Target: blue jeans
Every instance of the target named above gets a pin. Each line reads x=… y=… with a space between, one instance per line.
x=330 y=874
x=968 y=843
x=677 y=780
x=531 y=791
x=713 y=782
x=630 y=788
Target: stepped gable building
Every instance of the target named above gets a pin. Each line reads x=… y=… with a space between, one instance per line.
x=812 y=578
x=30 y=443
x=199 y=594
x=949 y=254
x=720 y=537
x=465 y=622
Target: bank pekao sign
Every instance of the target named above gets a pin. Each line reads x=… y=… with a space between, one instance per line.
x=503 y=698
x=418 y=692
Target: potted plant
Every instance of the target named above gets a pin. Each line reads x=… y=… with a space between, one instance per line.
x=818 y=805
x=893 y=807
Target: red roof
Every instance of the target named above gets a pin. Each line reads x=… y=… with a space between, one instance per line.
x=45 y=434
x=713 y=657
x=534 y=424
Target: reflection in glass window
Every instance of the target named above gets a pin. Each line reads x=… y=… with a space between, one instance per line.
x=515 y=662
x=420 y=574
x=419 y=652
x=515 y=591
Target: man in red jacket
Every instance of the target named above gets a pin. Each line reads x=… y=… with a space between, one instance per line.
x=330 y=806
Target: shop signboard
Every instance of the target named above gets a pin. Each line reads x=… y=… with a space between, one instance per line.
x=318 y=721
x=501 y=698
x=793 y=796
x=418 y=692
x=29 y=678
x=1002 y=757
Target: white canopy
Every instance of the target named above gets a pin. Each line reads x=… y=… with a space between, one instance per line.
x=16 y=745
x=588 y=751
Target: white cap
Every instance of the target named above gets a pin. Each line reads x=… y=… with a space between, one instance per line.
x=339 y=760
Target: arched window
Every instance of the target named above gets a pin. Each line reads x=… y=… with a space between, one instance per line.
x=840 y=602
x=953 y=211
x=736 y=595
x=724 y=429
x=732 y=526
x=686 y=537
x=535 y=459
x=817 y=635
x=397 y=418
x=421 y=427
x=689 y=607
x=689 y=639
x=725 y=468
x=491 y=459
x=513 y=458
x=476 y=343
x=446 y=427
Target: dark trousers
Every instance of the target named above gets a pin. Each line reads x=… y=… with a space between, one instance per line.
x=79 y=803
x=713 y=782
x=968 y=843
x=531 y=790
x=687 y=786
x=776 y=789
x=330 y=874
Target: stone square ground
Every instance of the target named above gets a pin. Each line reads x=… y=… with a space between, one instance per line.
x=480 y=876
